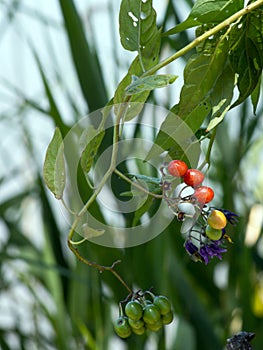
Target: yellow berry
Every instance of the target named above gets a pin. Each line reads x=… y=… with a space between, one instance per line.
x=217 y=219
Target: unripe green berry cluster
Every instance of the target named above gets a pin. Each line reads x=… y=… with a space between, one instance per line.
x=141 y=314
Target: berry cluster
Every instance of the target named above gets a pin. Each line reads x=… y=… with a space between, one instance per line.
x=141 y=314
x=192 y=178
x=203 y=227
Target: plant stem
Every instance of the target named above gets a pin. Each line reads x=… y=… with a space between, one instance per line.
x=204 y=36
x=209 y=149
x=101 y=268
x=125 y=178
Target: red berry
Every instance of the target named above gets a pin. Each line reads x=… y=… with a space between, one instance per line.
x=177 y=168
x=193 y=177
x=204 y=194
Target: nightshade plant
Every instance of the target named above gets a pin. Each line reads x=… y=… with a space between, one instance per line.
x=228 y=54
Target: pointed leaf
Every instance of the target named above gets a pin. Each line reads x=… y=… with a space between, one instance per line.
x=89 y=232
x=138 y=29
x=246 y=45
x=255 y=96
x=142 y=210
x=144 y=38
x=54 y=166
x=200 y=74
x=137 y=99
x=180 y=126
x=221 y=96
x=149 y=83
x=208 y=11
x=92 y=140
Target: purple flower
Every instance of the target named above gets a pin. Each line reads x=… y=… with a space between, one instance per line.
x=208 y=251
x=190 y=247
x=231 y=217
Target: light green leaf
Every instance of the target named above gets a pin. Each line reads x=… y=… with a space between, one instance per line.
x=152 y=182
x=137 y=99
x=149 y=83
x=89 y=232
x=92 y=139
x=208 y=11
x=54 y=165
x=221 y=96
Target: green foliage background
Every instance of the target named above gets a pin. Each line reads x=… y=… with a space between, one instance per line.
x=71 y=306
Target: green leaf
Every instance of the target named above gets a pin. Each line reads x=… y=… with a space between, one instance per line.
x=221 y=96
x=152 y=82
x=54 y=165
x=208 y=11
x=137 y=100
x=153 y=183
x=177 y=139
x=180 y=126
x=200 y=74
x=255 y=95
x=142 y=210
x=246 y=45
x=138 y=29
x=146 y=39
x=89 y=232
x=92 y=139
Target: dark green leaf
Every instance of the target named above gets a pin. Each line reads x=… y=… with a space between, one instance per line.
x=138 y=30
x=200 y=74
x=152 y=82
x=178 y=130
x=54 y=166
x=255 y=96
x=177 y=138
x=208 y=11
x=221 y=96
x=144 y=38
x=246 y=44
x=142 y=210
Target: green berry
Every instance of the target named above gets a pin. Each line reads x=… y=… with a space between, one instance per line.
x=151 y=314
x=167 y=318
x=135 y=324
x=213 y=233
x=133 y=310
x=138 y=331
x=163 y=304
x=155 y=327
x=122 y=327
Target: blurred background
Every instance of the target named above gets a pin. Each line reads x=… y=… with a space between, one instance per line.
x=59 y=61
